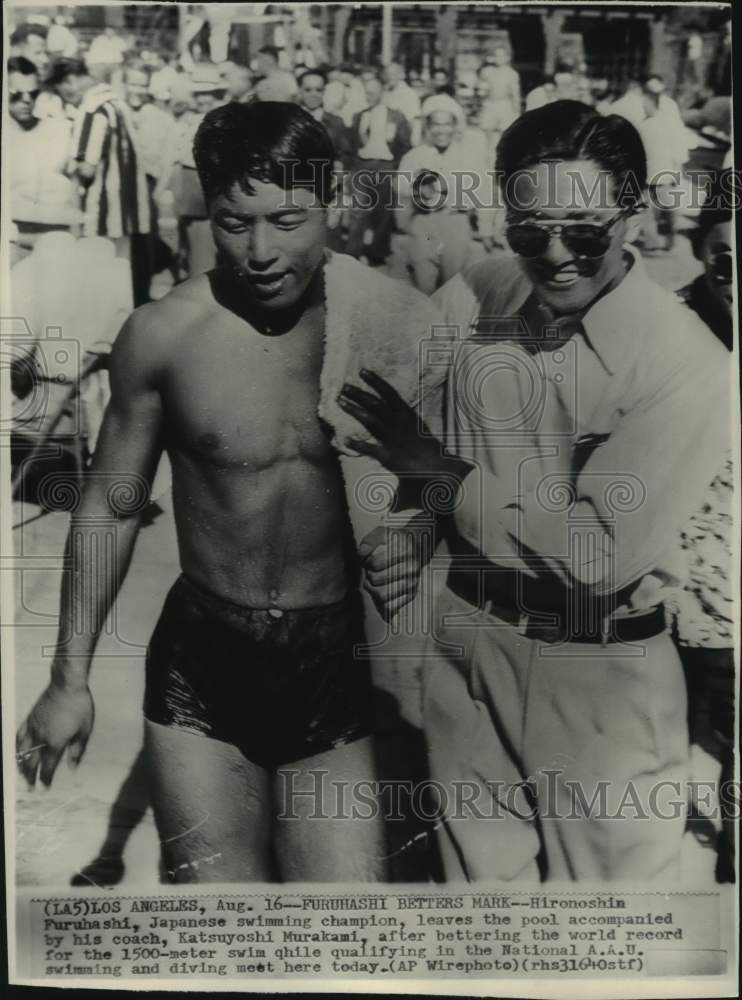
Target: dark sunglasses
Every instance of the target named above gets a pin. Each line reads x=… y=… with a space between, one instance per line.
x=721 y=267
x=588 y=240
x=18 y=95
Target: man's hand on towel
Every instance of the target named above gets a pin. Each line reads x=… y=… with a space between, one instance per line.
x=392 y=561
x=403 y=443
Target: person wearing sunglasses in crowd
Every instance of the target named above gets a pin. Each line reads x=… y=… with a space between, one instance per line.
x=703 y=611
x=42 y=198
x=586 y=410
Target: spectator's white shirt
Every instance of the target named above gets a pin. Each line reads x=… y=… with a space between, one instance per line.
x=154 y=133
x=664 y=144
x=456 y=164
x=37 y=157
x=451 y=163
x=375 y=131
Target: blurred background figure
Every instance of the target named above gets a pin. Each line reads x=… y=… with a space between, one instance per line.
x=42 y=198
x=64 y=88
x=400 y=96
x=275 y=83
x=154 y=133
x=434 y=212
x=664 y=136
x=29 y=42
x=60 y=41
x=441 y=83
x=704 y=610
x=500 y=87
x=238 y=81
x=197 y=252
x=380 y=137
x=631 y=104
x=312 y=84
x=354 y=93
x=109 y=167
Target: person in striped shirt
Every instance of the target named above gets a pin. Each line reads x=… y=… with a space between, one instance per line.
x=114 y=197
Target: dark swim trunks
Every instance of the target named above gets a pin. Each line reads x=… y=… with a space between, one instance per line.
x=278 y=686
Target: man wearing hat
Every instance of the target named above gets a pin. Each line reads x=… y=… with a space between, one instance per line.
x=434 y=180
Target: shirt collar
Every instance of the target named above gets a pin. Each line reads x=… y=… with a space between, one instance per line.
x=614 y=321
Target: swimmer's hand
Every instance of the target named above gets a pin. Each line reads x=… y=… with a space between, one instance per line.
x=392 y=561
x=61 y=719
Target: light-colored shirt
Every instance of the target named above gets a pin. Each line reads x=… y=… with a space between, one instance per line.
x=665 y=145
x=154 y=133
x=37 y=157
x=465 y=182
x=377 y=130
x=502 y=83
x=590 y=457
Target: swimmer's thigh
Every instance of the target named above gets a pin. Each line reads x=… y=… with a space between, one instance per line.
x=212 y=808
x=329 y=827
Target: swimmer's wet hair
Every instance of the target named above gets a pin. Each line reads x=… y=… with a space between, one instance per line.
x=271 y=141
x=571 y=130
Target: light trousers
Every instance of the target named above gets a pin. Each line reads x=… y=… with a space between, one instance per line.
x=558 y=763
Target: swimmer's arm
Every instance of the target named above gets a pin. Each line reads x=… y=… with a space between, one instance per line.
x=105 y=525
x=99 y=548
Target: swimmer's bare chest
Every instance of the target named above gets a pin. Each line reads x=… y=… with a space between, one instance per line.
x=258 y=496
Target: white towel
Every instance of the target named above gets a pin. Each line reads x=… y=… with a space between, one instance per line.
x=375 y=322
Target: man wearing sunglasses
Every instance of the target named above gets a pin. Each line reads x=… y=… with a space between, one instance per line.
x=41 y=197
x=587 y=409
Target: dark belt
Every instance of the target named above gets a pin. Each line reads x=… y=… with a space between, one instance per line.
x=554 y=625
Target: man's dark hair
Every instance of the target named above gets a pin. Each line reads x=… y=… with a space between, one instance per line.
x=269 y=50
x=275 y=142
x=62 y=68
x=24 y=31
x=19 y=64
x=570 y=130
x=311 y=72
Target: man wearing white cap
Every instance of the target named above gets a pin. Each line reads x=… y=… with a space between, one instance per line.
x=434 y=179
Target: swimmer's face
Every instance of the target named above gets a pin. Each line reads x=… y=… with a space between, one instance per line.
x=274 y=240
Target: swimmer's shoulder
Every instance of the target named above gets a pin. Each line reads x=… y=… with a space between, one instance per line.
x=149 y=339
